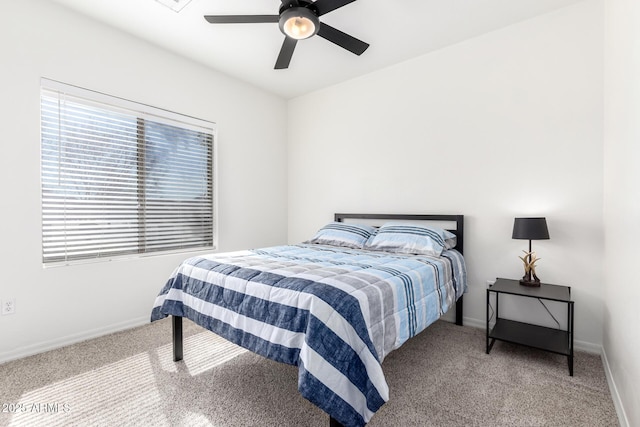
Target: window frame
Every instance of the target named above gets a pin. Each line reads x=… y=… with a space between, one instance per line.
x=142 y=112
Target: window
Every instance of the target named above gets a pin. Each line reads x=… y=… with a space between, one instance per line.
x=120 y=178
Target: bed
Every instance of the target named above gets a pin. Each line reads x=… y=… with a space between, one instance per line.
x=335 y=306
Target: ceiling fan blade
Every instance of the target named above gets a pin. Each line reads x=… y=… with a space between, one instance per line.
x=286 y=52
x=326 y=6
x=241 y=19
x=343 y=40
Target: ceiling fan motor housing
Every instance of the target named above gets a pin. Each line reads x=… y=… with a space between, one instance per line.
x=290 y=4
x=298 y=22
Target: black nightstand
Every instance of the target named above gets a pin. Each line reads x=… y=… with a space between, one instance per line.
x=548 y=339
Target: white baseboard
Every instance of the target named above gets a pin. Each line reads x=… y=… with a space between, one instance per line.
x=474 y=323
x=30 y=350
x=587 y=347
x=615 y=395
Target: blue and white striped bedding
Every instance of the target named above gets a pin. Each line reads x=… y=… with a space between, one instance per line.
x=336 y=313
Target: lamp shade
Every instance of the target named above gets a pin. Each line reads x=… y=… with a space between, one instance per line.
x=530 y=229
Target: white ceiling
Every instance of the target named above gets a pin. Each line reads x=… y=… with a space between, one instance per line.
x=397 y=30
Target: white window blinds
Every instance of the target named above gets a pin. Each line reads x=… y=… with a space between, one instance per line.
x=120 y=178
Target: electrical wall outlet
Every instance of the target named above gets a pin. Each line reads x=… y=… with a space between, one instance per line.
x=490 y=283
x=8 y=306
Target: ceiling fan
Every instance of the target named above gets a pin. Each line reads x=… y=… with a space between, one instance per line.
x=298 y=20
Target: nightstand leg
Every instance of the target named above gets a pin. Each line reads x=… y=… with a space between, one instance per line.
x=570 y=326
x=487 y=331
x=490 y=341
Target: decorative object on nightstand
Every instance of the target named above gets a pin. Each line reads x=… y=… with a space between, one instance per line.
x=530 y=229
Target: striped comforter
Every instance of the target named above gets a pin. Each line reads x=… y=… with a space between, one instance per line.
x=334 y=312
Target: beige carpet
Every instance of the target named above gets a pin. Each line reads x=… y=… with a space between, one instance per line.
x=440 y=378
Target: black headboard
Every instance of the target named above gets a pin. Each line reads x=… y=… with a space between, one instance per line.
x=458 y=219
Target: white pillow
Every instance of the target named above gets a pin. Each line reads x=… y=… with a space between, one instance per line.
x=397 y=237
x=342 y=234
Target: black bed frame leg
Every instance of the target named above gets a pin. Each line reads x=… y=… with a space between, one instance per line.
x=459 y=311
x=176 y=324
x=334 y=423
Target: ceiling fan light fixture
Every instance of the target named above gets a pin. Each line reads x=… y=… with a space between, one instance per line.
x=299 y=23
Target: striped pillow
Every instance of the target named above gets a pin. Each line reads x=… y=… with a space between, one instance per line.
x=405 y=238
x=345 y=235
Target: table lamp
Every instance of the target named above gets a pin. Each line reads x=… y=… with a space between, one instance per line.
x=530 y=229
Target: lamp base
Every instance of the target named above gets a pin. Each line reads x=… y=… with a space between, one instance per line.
x=532 y=283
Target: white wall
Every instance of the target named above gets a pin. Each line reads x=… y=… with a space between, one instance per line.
x=622 y=203
x=506 y=124
x=57 y=305
x=502 y=125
